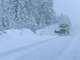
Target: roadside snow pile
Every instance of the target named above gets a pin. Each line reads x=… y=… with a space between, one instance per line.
x=15 y=39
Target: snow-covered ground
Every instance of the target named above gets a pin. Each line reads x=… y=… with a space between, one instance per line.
x=25 y=45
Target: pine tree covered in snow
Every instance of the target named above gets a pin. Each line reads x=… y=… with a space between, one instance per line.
x=32 y=14
x=46 y=14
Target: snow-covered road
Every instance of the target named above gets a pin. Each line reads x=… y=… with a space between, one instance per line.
x=41 y=48
x=25 y=45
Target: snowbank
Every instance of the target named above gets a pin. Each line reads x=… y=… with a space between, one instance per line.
x=16 y=38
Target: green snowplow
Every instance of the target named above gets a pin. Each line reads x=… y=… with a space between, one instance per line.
x=63 y=29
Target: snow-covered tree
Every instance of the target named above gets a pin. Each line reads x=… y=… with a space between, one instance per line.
x=63 y=19
x=4 y=21
x=36 y=12
x=32 y=14
x=46 y=14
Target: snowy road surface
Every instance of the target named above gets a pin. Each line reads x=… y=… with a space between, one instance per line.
x=15 y=45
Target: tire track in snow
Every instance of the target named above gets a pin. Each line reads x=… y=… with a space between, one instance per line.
x=63 y=49
x=26 y=47
x=50 y=42
x=69 y=42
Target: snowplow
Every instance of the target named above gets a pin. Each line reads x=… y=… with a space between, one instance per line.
x=63 y=29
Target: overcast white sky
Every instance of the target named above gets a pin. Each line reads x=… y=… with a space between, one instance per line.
x=68 y=7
